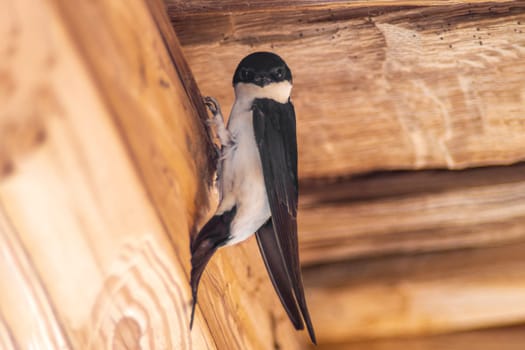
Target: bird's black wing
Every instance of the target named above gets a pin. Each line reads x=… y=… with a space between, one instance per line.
x=274 y=129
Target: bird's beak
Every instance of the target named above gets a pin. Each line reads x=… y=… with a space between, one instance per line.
x=262 y=80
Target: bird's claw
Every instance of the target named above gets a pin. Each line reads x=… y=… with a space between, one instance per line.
x=217 y=121
x=212 y=105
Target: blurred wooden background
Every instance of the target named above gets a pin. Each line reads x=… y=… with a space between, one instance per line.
x=411 y=117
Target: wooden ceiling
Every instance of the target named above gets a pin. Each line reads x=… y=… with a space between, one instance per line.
x=383 y=88
x=377 y=84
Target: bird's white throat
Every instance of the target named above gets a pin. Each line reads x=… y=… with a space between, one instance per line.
x=279 y=92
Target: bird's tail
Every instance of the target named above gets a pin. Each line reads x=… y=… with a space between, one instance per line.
x=212 y=236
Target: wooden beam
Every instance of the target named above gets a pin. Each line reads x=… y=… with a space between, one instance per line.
x=508 y=338
x=104 y=175
x=381 y=88
x=419 y=294
x=406 y=212
x=177 y=7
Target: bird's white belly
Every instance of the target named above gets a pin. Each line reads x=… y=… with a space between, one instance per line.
x=242 y=182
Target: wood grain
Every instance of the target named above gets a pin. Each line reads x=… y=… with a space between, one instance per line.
x=105 y=173
x=6 y=339
x=406 y=212
x=380 y=88
x=419 y=294
x=75 y=204
x=27 y=316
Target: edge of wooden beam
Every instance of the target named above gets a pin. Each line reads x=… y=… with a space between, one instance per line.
x=418 y=294
x=182 y=7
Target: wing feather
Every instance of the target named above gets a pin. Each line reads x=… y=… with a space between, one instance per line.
x=275 y=134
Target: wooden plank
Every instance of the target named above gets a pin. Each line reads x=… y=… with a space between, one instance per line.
x=508 y=338
x=104 y=175
x=31 y=316
x=406 y=212
x=382 y=88
x=419 y=294
x=6 y=338
x=176 y=7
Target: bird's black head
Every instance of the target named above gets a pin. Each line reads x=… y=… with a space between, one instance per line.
x=262 y=68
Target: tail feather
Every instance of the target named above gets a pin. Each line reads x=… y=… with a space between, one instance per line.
x=212 y=236
x=276 y=267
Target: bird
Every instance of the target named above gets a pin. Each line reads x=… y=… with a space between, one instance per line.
x=258 y=181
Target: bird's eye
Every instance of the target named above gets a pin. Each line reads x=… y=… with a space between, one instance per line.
x=245 y=74
x=279 y=73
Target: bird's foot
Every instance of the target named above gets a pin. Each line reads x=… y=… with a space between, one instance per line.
x=217 y=121
x=212 y=105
